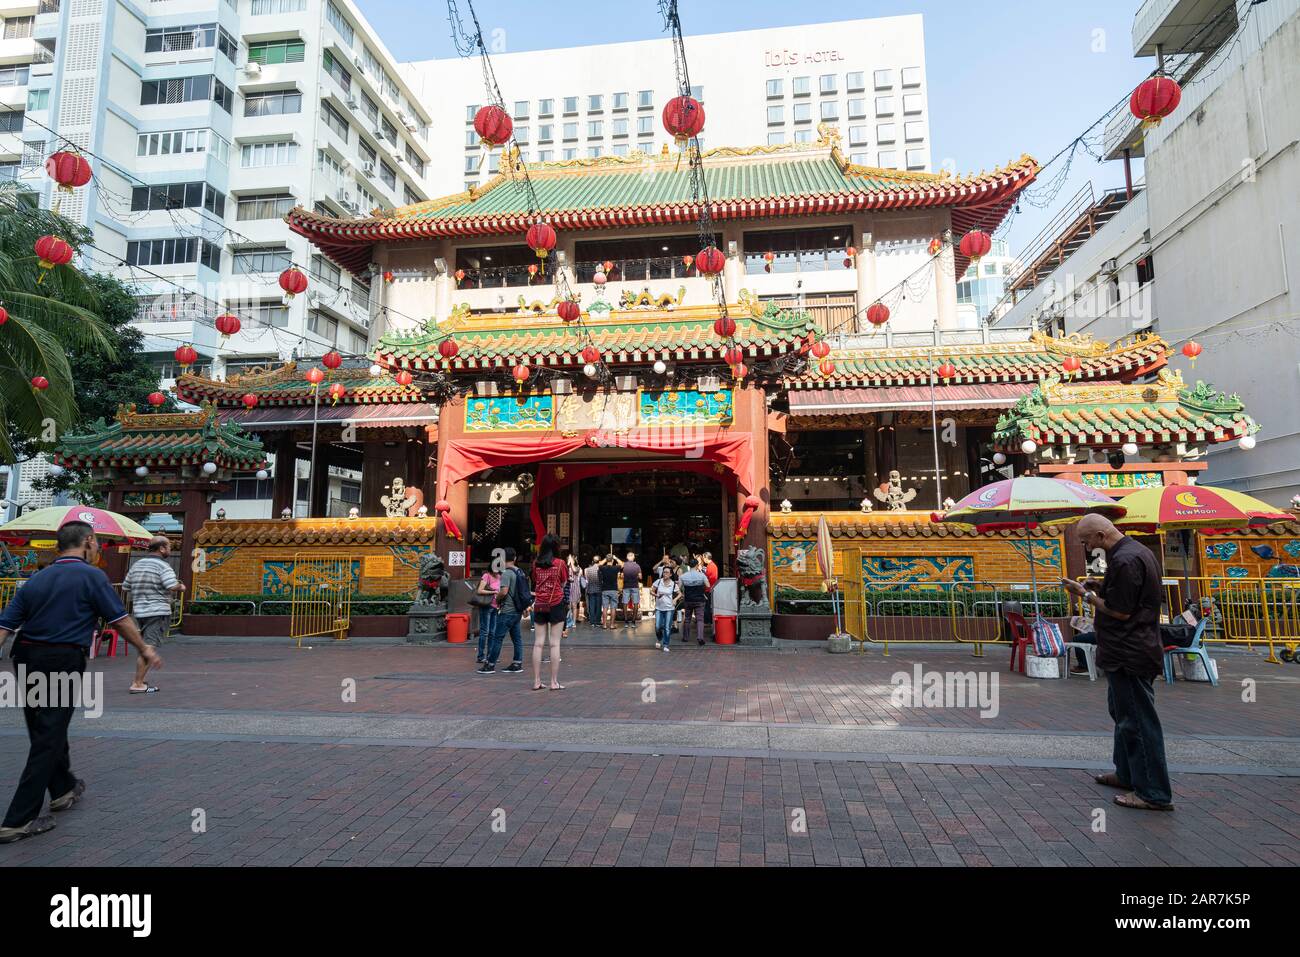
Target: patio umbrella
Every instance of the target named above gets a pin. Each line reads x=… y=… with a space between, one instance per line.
x=1184 y=508
x=826 y=562
x=107 y=525
x=1028 y=502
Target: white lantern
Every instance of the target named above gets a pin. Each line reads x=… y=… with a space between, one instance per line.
x=57 y=470
x=1130 y=449
x=221 y=514
x=999 y=458
x=376 y=369
x=142 y=470
x=209 y=468
x=589 y=370
x=1029 y=446
x=660 y=367
x=286 y=512
x=263 y=475
x=353 y=512
x=1246 y=442
x=423 y=512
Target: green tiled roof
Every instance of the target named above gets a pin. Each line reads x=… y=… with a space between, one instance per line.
x=162 y=440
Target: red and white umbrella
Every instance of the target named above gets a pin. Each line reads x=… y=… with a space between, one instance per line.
x=109 y=526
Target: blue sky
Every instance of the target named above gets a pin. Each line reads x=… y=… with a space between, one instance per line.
x=1004 y=79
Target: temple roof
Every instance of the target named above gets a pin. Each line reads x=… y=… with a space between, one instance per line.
x=162 y=440
x=787 y=180
x=287 y=385
x=884 y=524
x=1033 y=360
x=1166 y=410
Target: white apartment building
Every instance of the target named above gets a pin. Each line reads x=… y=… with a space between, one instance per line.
x=867 y=77
x=1206 y=251
x=211 y=120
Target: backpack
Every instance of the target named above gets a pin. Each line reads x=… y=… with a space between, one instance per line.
x=552 y=583
x=521 y=594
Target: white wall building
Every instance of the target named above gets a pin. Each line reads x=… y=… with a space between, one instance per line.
x=758 y=86
x=1207 y=251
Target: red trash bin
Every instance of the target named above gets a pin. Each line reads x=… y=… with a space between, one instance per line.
x=458 y=628
x=724 y=629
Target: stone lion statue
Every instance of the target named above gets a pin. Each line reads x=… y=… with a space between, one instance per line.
x=750 y=567
x=433 y=580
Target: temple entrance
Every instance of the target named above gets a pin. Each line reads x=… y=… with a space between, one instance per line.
x=649 y=513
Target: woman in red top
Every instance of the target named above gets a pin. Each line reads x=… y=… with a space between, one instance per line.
x=550 y=608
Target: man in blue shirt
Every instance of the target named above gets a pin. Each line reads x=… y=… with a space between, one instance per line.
x=58 y=610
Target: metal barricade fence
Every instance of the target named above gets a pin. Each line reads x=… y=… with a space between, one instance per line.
x=321 y=596
x=1242 y=611
x=7 y=588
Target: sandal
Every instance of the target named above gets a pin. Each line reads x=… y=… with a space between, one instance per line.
x=1132 y=800
x=539 y=687
x=557 y=687
x=1111 y=780
x=149 y=690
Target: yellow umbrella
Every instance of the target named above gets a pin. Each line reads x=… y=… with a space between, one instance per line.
x=107 y=525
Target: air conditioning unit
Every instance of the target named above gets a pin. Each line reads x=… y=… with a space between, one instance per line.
x=252 y=68
x=361 y=64
x=368 y=169
x=378 y=133
x=353 y=103
x=343 y=196
x=397 y=156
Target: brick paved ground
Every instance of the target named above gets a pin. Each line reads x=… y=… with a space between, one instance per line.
x=276 y=790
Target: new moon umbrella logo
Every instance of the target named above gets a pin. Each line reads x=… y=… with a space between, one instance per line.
x=986 y=498
x=1187 y=499
x=87 y=517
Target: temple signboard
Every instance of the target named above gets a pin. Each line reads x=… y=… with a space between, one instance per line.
x=1106 y=481
x=151 y=500
x=605 y=411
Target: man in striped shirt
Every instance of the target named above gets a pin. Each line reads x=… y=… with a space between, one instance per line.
x=151 y=583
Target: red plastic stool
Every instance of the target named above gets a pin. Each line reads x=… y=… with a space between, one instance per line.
x=105 y=634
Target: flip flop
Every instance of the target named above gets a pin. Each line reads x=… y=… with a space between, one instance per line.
x=557 y=687
x=1111 y=780
x=539 y=687
x=149 y=690
x=1132 y=800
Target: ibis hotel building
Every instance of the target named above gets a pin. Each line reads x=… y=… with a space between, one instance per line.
x=771 y=86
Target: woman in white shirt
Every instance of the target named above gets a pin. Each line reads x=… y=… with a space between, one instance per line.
x=666 y=595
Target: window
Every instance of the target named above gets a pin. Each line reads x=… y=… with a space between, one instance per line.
x=645 y=100
x=263 y=7
x=570 y=105
x=9 y=171
x=887 y=159
x=322 y=325
x=570 y=153
x=912 y=103
x=911 y=76
x=409 y=196
x=494 y=161
x=173 y=142
x=413 y=158
x=268 y=206
x=367 y=152
x=860 y=159
x=177 y=196
x=333 y=119
x=33 y=154
x=802 y=85
x=595 y=130
x=857 y=108
x=1146 y=269
x=913 y=131
x=775 y=139
x=796 y=250
x=169 y=252
x=545 y=133
x=521 y=134
x=545 y=107
x=828 y=83
x=593 y=152
x=470 y=111
x=273 y=104
x=471 y=139
x=38 y=100
x=698 y=93
x=803 y=136
x=885 y=133
x=269 y=314
x=11 y=121
x=521 y=109
x=775 y=88
x=645 y=125
x=180 y=90
x=857 y=135
x=620 y=149
x=371 y=109
x=192 y=36
x=916 y=159
x=884 y=106
x=277 y=51
x=325 y=272
x=803 y=112
x=335 y=69
x=570 y=131
x=619 y=127
x=388 y=175
x=335 y=16
x=620 y=102
x=15 y=75
x=545 y=156
x=18 y=28
x=257 y=155
x=775 y=115
x=595 y=103
x=854 y=82
x=884 y=79
x=830 y=110
x=471 y=162
x=262 y=259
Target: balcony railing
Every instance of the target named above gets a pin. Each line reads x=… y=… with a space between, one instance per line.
x=638 y=270
x=48 y=6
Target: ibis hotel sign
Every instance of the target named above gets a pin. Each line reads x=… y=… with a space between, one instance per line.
x=795 y=57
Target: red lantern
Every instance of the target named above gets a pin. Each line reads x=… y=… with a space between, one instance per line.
x=532 y=270
x=947 y=371
x=569 y=310
x=403 y=378
x=591 y=354
x=40 y=383
x=935 y=245
x=826 y=367
x=69 y=170
x=607 y=266
x=1192 y=350
x=821 y=349
x=460 y=275
x=388 y=275
x=710 y=261
x=249 y=399
x=733 y=355
x=227 y=325
x=521 y=373
x=683 y=118
x=52 y=251
x=768 y=257
x=493 y=124
x=331 y=360
x=541 y=240
x=443 y=508
x=448 y=348
x=293 y=281
x=724 y=326
x=315 y=376
x=976 y=244
x=1154 y=99
x=4 y=315
x=739 y=371
x=1071 y=365
x=877 y=314
x=186 y=356
x=337 y=391
x=687 y=260
x=156 y=399
x=850 y=254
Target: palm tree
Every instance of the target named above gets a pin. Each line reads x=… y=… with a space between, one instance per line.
x=47 y=316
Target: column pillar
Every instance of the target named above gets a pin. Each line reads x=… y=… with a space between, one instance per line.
x=320 y=480
x=945 y=284
x=283 y=485
x=733 y=274
x=444 y=285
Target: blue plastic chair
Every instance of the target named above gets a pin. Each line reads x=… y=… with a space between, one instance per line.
x=1197 y=648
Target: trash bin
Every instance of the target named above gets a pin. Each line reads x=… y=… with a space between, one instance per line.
x=458 y=628
x=724 y=629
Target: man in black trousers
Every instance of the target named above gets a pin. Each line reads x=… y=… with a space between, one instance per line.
x=1127 y=625
x=57 y=610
